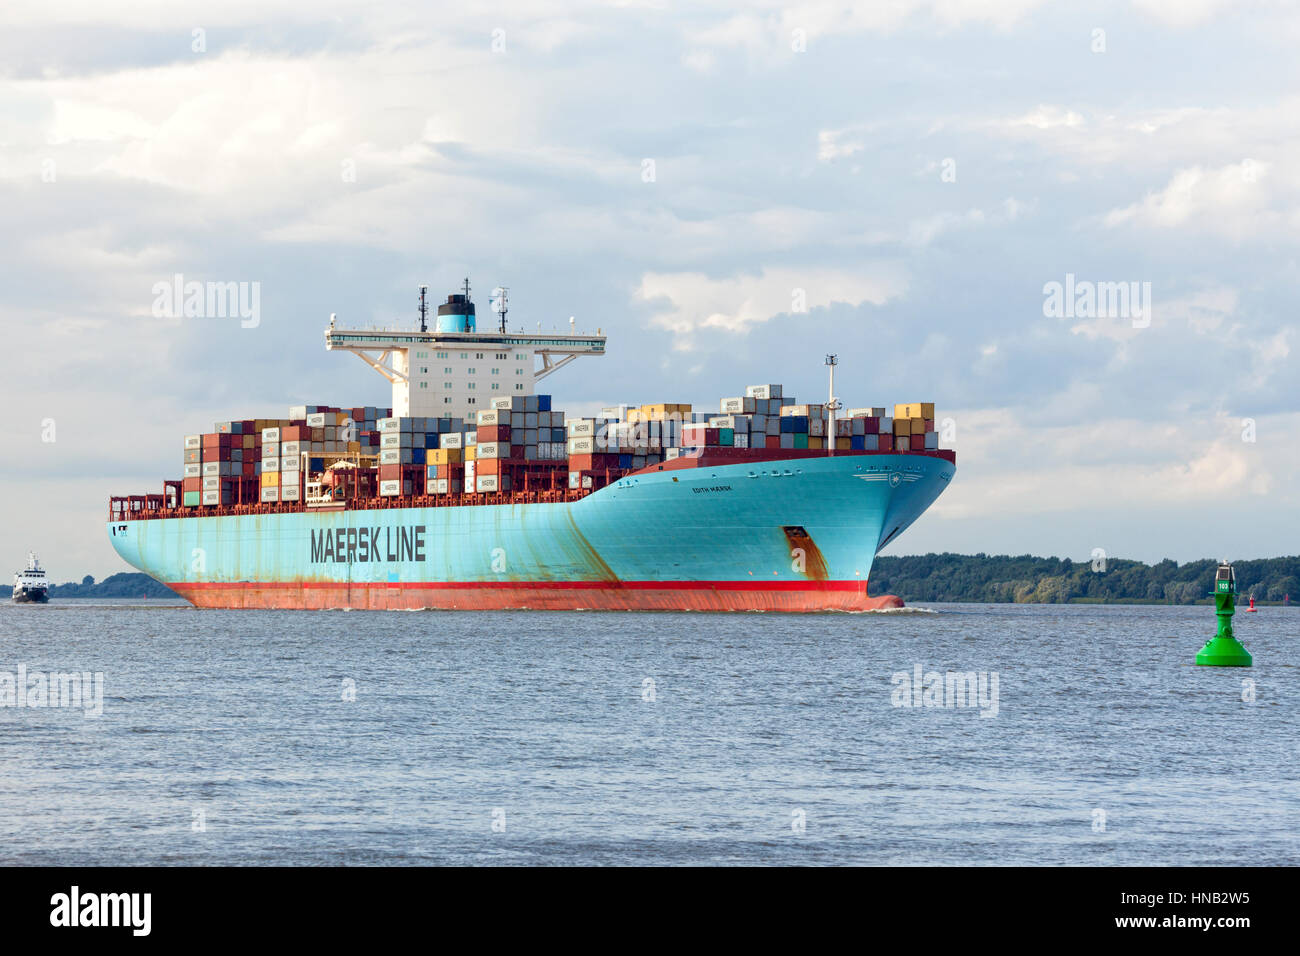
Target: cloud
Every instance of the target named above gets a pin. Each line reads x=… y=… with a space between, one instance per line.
x=686 y=302
x=1233 y=200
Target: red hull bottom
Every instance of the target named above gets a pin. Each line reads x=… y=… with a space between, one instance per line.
x=811 y=596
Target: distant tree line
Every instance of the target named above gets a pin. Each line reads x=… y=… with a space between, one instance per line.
x=982 y=578
x=125 y=585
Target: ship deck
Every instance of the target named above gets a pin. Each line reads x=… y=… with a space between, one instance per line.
x=158 y=506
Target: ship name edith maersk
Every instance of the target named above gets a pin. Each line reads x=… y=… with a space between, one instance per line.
x=458 y=498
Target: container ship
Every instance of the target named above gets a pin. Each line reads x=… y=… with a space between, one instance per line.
x=473 y=491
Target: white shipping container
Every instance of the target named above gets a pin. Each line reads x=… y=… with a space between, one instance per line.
x=290 y=493
x=270 y=464
x=451 y=440
x=391 y=488
x=291 y=463
x=270 y=435
x=582 y=446
x=193 y=441
x=580 y=427
x=270 y=495
x=763 y=391
x=494 y=449
x=736 y=406
x=291 y=449
x=490 y=417
x=193 y=470
x=389 y=425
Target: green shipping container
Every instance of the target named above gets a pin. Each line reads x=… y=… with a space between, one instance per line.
x=191 y=499
x=800 y=440
x=726 y=436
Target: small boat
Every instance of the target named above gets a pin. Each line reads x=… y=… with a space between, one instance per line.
x=30 y=584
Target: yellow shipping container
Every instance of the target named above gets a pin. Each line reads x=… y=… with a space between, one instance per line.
x=471 y=453
x=843 y=444
x=446 y=456
x=902 y=426
x=816 y=441
x=918 y=426
x=354 y=448
x=270 y=479
x=658 y=413
x=914 y=410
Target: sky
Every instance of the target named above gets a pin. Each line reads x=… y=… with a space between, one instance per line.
x=730 y=191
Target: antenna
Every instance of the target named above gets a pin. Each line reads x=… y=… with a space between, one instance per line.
x=502 y=306
x=424 y=309
x=832 y=405
x=467 y=288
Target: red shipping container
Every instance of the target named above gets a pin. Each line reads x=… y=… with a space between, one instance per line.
x=700 y=435
x=871 y=425
x=886 y=442
x=191 y=484
x=216 y=440
x=390 y=472
x=772 y=441
x=929 y=424
x=491 y=433
x=249 y=469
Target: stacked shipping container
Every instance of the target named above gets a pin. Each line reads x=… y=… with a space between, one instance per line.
x=520 y=443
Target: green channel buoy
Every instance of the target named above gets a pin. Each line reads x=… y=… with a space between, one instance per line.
x=1224 y=650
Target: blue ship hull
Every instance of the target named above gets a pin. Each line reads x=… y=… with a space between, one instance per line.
x=793 y=535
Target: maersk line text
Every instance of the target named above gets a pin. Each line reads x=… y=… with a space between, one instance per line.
x=360 y=545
